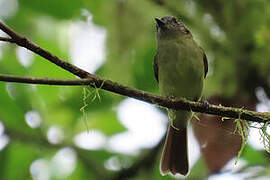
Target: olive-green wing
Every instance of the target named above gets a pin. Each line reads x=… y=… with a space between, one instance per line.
x=205 y=63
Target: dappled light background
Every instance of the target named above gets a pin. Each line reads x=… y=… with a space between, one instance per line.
x=53 y=132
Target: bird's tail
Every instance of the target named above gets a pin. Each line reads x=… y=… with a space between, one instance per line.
x=174 y=157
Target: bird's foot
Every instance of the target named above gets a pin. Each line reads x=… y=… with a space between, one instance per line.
x=205 y=104
x=171 y=97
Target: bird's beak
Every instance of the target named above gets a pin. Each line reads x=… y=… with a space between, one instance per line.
x=160 y=23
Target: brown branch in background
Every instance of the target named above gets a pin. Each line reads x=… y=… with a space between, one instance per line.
x=146 y=163
x=97 y=82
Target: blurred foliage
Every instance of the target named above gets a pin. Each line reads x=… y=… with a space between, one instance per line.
x=235 y=36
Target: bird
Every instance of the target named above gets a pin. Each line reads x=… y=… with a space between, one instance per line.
x=180 y=67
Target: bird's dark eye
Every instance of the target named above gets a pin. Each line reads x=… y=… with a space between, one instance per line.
x=174 y=20
x=187 y=31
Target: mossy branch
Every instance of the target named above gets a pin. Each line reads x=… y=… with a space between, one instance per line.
x=108 y=85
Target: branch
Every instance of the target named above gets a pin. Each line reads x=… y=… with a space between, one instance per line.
x=175 y=104
x=44 y=81
x=97 y=82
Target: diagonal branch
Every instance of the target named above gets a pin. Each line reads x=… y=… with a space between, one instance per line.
x=97 y=82
x=24 y=42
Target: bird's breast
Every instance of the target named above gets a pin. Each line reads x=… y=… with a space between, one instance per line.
x=180 y=70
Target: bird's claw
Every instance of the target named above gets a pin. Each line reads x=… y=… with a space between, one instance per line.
x=205 y=104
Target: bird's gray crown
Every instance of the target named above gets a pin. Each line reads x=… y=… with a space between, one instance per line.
x=170 y=23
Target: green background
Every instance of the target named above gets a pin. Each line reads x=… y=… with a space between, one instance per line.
x=234 y=34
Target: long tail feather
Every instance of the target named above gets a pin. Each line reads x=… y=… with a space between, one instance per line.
x=174 y=157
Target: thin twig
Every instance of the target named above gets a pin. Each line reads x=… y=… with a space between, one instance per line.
x=97 y=82
x=44 y=81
